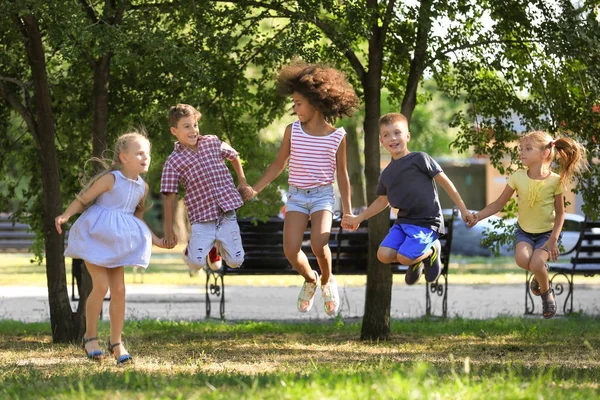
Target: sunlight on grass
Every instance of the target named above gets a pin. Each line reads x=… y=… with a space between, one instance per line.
x=424 y=358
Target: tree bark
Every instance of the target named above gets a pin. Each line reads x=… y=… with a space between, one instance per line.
x=417 y=64
x=100 y=105
x=355 y=173
x=65 y=325
x=376 y=320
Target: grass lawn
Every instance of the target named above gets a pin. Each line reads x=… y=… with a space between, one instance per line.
x=167 y=267
x=503 y=358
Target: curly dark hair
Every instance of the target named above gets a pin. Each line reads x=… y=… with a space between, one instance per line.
x=325 y=88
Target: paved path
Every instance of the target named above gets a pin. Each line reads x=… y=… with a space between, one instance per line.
x=168 y=302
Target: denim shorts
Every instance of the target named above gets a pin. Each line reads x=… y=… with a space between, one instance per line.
x=536 y=240
x=411 y=241
x=308 y=201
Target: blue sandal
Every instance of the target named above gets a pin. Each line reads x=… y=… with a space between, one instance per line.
x=122 y=359
x=94 y=354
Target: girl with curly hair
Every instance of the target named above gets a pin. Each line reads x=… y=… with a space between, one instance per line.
x=316 y=151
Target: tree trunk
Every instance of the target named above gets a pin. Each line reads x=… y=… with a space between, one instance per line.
x=417 y=64
x=65 y=325
x=100 y=105
x=376 y=320
x=355 y=172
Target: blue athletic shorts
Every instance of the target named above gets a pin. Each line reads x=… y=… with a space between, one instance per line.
x=308 y=201
x=411 y=241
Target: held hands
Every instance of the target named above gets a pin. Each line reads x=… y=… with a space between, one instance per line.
x=162 y=243
x=169 y=241
x=350 y=221
x=247 y=192
x=471 y=219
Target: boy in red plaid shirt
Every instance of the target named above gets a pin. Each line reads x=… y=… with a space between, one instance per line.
x=211 y=196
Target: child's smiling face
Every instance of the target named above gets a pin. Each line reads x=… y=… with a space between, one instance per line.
x=302 y=107
x=187 y=131
x=395 y=137
x=136 y=159
x=530 y=154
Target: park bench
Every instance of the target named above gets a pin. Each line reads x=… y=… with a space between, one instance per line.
x=14 y=237
x=585 y=261
x=263 y=245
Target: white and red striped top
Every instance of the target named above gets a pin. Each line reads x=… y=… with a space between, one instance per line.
x=313 y=158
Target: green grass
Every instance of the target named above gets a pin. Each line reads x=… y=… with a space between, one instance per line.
x=503 y=358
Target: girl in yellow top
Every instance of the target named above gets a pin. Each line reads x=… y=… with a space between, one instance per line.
x=541 y=205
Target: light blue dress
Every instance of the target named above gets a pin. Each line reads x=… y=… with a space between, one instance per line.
x=107 y=234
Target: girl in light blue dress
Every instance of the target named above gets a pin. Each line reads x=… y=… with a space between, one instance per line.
x=111 y=234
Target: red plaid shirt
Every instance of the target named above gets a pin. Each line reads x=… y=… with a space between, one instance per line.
x=209 y=187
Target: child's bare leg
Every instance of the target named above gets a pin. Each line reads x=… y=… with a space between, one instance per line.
x=93 y=305
x=319 y=241
x=538 y=268
x=408 y=261
x=294 y=226
x=116 y=282
x=387 y=255
x=523 y=254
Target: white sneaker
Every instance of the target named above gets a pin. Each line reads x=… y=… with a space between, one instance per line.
x=306 y=298
x=331 y=297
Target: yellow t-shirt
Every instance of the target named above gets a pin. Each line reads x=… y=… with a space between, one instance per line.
x=535 y=200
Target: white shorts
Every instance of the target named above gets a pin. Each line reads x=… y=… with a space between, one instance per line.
x=224 y=232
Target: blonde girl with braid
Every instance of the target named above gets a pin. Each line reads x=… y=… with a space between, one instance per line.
x=111 y=234
x=540 y=194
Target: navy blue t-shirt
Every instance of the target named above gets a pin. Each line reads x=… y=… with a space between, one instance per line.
x=409 y=186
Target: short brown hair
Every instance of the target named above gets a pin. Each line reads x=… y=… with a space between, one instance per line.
x=180 y=111
x=390 y=118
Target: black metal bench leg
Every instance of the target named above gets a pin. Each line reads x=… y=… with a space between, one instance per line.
x=441 y=290
x=559 y=289
x=529 y=303
x=428 y=298
x=222 y=305
x=215 y=287
x=445 y=297
x=207 y=292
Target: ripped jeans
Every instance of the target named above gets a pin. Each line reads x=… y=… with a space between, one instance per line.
x=224 y=232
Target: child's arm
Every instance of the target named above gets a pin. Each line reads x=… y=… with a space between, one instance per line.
x=239 y=171
x=342 y=178
x=277 y=167
x=103 y=184
x=170 y=239
x=445 y=182
x=496 y=205
x=139 y=213
x=375 y=208
x=551 y=245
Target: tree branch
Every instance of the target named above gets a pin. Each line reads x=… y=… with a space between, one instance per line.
x=89 y=11
x=418 y=62
x=466 y=46
x=19 y=107
x=329 y=31
x=386 y=21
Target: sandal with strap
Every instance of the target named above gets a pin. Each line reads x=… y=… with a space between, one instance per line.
x=548 y=304
x=123 y=358
x=95 y=355
x=534 y=285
